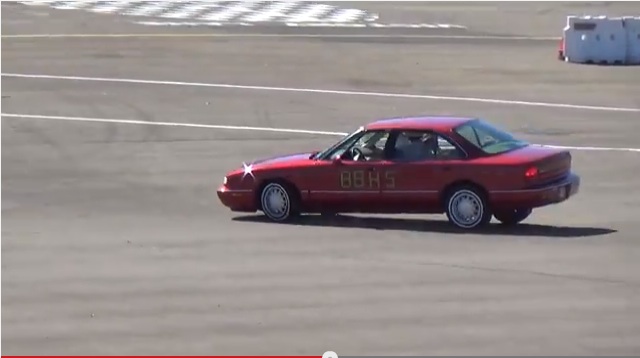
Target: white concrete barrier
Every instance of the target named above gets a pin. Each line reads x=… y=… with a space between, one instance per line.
x=601 y=40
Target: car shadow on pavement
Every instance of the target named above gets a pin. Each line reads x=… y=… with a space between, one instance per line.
x=433 y=226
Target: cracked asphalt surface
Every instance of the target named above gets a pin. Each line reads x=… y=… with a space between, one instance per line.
x=113 y=240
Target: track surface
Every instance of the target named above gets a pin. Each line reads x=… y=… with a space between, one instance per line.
x=113 y=241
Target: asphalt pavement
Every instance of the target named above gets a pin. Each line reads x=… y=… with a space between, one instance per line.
x=114 y=242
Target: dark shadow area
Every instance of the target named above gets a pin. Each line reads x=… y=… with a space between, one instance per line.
x=432 y=226
x=605 y=64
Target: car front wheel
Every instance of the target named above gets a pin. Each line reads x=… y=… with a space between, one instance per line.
x=512 y=217
x=278 y=202
x=467 y=208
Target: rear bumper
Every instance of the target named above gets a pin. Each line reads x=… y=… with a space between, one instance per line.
x=550 y=194
x=237 y=200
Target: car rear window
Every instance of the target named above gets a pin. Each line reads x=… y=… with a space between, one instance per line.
x=489 y=138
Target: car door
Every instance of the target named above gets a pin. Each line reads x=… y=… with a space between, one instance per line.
x=419 y=176
x=344 y=184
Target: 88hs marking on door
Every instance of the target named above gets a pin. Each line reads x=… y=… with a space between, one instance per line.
x=361 y=179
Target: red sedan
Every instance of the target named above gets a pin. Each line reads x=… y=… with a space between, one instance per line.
x=463 y=167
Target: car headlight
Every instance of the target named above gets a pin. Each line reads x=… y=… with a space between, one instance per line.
x=224 y=181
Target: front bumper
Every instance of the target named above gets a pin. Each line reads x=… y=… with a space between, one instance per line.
x=241 y=200
x=549 y=194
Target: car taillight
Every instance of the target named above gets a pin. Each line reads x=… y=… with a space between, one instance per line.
x=531 y=172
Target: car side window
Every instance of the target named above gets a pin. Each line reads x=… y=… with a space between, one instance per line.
x=412 y=146
x=370 y=147
x=448 y=151
x=373 y=146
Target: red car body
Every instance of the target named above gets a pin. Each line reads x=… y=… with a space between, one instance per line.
x=464 y=167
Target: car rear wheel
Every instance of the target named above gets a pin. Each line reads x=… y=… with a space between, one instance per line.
x=278 y=202
x=512 y=217
x=467 y=208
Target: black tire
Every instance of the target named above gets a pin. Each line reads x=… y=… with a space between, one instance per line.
x=467 y=195
x=279 y=201
x=512 y=217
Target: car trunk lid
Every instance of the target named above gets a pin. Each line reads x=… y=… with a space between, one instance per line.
x=545 y=164
x=538 y=164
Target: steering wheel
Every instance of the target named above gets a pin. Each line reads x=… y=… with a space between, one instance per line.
x=357 y=154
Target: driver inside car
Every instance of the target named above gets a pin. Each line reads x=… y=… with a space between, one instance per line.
x=371 y=152
x=365 y=153
x=368 y=149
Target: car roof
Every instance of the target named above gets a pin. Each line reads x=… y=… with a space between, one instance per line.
x=439 y=123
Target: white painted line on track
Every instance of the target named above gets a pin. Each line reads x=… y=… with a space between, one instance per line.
x=323 y=91
x=248 y=128
x=170 y=124
x=258 y=35
x=601 y=149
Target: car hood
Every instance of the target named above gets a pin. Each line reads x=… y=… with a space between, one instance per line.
x=281 y=160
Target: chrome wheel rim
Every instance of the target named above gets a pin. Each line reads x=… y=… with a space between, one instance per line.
x=466 y=208
x=275 y=201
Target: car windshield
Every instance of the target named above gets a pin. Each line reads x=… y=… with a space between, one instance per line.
x=488 y=138
x=348 y=138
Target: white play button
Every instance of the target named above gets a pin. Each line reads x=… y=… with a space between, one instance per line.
x=329 y=354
